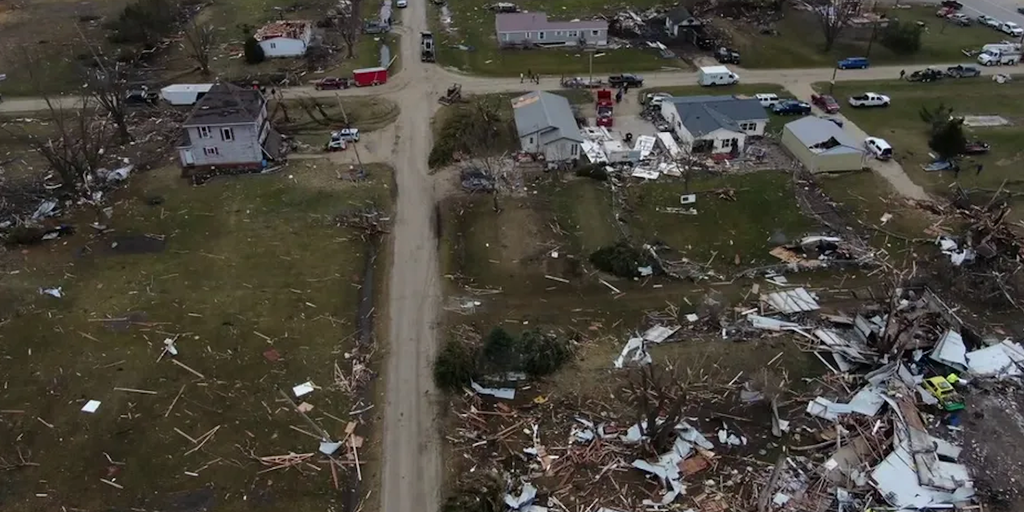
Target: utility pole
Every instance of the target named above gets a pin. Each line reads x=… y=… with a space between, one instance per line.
x=832 y=83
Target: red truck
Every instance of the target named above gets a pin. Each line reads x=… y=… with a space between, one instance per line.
x=370 y=76
x=605 y=108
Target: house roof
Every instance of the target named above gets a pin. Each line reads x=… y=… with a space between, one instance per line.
x=823 y=136
x=524 y=21
x=702 y=115
x=227 y=104
x=548 y=115
x=679 y=14
x=292 y=29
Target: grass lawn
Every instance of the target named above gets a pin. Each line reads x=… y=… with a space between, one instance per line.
x=472 y=26
x=765 y=205
x=799 y=43
x=248 y=264
x=901 y=125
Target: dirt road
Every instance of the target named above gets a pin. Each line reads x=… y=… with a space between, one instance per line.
x=411 y=453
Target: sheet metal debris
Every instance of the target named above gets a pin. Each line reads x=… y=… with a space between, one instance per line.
x=797 y=300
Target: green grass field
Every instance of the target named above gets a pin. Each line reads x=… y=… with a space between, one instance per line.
x=247 y=264
x=800 y=43
x=902 y=126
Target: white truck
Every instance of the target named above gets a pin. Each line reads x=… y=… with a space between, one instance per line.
x=1004 y=46
x=999 y=57
x=716 y=75
x=869 y=99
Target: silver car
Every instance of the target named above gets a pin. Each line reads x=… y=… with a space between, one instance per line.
x=989 y=21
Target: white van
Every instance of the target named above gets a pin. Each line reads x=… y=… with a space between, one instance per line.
x=879 y=148
x=716 y=75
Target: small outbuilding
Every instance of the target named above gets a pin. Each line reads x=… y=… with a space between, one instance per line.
x=285 y=38
x=546 y=125
x=822 y=146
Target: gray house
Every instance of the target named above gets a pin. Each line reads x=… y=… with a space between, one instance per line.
x=229 y=128
x=714 y=124
x=546 y=126
x=680 y=19
x=533 y=28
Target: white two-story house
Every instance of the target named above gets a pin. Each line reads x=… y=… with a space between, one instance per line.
x=229 y=128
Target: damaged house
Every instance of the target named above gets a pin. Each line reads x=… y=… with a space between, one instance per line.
x=534 y=29
x=546 y=125
x=285 y=38
x=229 y=128
x=822 y=146
x=714 y=124
x=679 y=20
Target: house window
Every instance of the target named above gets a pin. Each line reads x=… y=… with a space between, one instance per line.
x=748 y=127
x=575 y=150
x=204 y=132
x=529 y=35
x=727 y=143
x=211 y=151
x=573 y=33
x=227 y=134
x=273 y=46
x=594 y=32
x=506 y=36
x=530 y=141
x=540 y=35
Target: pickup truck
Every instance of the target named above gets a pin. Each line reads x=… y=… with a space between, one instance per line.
x=869 y=99
x=962 y=71
x=626 y=80
x=826 y=103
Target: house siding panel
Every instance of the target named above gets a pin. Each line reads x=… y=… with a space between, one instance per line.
x=283 y=47
x=244 y=149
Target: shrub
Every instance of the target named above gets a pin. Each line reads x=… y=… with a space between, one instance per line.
x=502 y=350
x=620 y=259
x=593 y=171
x=543 y=354
x=253 y=51
x=902 y=38
x=455 y=365
x=145 y=22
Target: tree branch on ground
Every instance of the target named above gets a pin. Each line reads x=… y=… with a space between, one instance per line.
x=834 y=16
x=198 y=44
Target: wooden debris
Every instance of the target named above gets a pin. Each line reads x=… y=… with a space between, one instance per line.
x=133 y=390
x=185 y=366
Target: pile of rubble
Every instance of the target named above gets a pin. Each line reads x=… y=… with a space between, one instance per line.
x=878 y=430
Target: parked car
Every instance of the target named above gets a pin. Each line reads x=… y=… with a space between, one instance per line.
x=826 y=103
x=925 y=75
x=869 y=99
x=346 y=134
x=792 y=108
x=878 y=147
x=1012 y=29
x=853 y=63
x=626 y=80
x=330 y=82
x=989 y=21
x=963 y=71
x=727 y=56
x=945 y=12
x=767 y=100
x=141 y=96
x=401 y=4
x=952 y=4
x=655 y=98
x=959 y=18
x=1020 y=10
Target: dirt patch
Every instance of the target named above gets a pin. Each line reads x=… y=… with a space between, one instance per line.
x=138 y=244
x=992 y=426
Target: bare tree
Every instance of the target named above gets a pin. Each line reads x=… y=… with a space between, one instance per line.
x=75 y=147
x=108 y=87
x=834 y=16
x=348 y=24
x=658 y=399
x=77 y=138
x=198 y=43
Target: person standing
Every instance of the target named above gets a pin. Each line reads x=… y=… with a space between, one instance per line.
x=903 y=73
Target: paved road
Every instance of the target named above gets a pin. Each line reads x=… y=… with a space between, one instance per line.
x=1003 y=10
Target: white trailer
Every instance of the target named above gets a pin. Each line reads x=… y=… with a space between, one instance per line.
x=716 y=75
x=184 y=94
